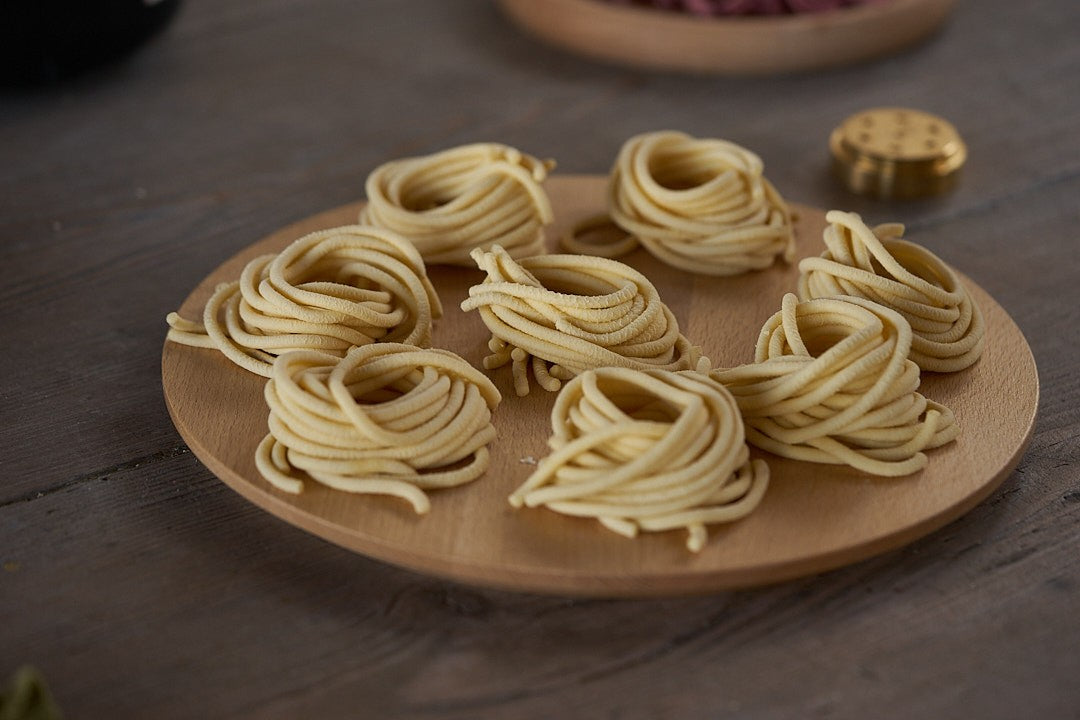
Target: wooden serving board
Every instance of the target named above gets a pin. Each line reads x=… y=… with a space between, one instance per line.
x=747 y=45
x=813 y=517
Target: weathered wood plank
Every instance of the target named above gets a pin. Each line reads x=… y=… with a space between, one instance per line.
x=153 y=590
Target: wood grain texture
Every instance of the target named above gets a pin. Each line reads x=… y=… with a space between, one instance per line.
x=813 y=518
x=660 y=39
x=142 y=586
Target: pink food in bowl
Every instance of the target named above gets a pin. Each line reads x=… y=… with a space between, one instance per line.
x=747 y=7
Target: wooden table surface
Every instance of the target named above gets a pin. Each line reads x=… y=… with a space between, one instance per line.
x=141 y=586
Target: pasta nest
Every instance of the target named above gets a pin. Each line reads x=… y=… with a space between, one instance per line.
x=651 y=450
x=701 y=205
x=832 y=383
x=947 y=326
x=328 y=291
x=564 y=314
x=387 y=419
x=453 y=201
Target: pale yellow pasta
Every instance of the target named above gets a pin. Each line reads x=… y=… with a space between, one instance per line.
x=471 y=196
x=699 y=204
x=653 y=450
x=328 y=291
x=947 y=326
x=387 y=419
x=560 y=315
x=832 y=383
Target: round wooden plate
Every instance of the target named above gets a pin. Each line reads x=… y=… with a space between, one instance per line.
x=666 y=40
x=813 y=517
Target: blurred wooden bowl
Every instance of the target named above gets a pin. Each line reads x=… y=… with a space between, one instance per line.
x=751 y=45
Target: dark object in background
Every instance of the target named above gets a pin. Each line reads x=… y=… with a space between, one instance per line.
x=46 y=41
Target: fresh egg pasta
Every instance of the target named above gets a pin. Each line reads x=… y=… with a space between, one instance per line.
x=564 y=314
x=386 y=419
x=328 y=291
x=701 y=205
x=647 y=450
x=879 y=265
x=471 y=196
x=832 y=383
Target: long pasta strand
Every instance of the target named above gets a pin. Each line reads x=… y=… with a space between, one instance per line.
x=699 y=204
x=832 y=383
x=647 y=450
x=879 y=265
x=571 y=313
x=387 y=419
x=470 y=196
x=328 y=291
